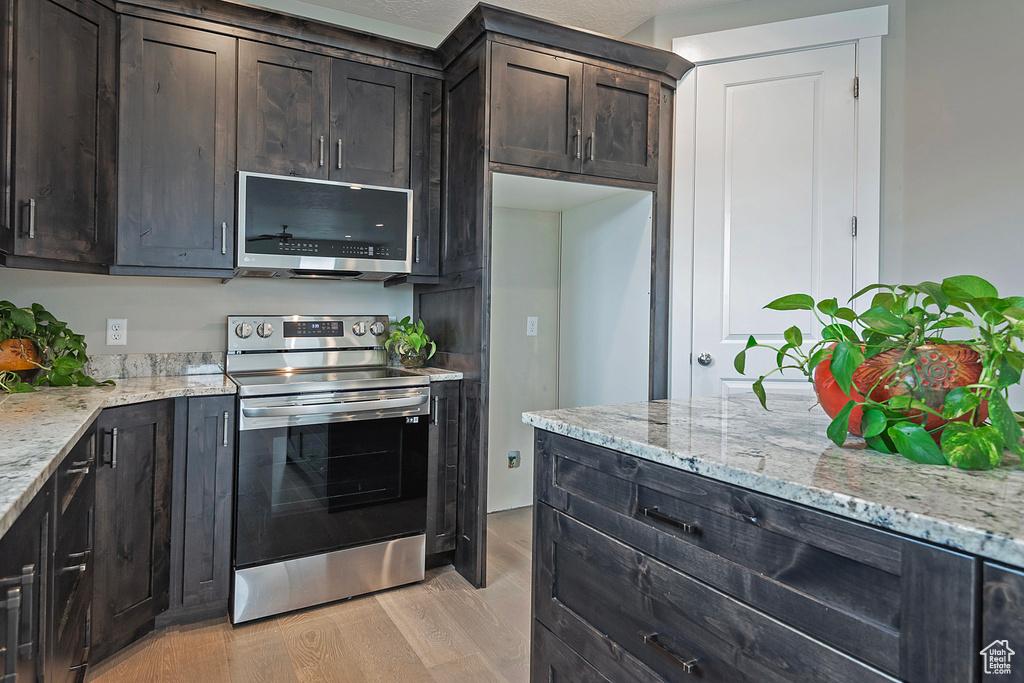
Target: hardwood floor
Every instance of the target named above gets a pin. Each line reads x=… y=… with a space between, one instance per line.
x=440 y=630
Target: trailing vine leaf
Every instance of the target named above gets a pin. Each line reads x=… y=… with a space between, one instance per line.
x=872 y=423
x=869 y=288
x=966 y=446
x=914 y=443
x=840 y=424
x=740 y=361
x=794 y=336
x=758 y=388
x=968 y=287
x=1005 y=422
x=829 y=307
x=846 y=358
x=959 y=401
x=879 y=444
x=883 y=320
x=792 y=302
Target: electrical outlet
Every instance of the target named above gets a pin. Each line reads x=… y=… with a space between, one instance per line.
x=531 y=326
x=117 y=331
x=513 y=459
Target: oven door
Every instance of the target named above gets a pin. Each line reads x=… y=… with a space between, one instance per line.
x=328 y=472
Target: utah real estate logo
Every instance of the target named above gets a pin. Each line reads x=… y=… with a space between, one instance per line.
x=997 y=657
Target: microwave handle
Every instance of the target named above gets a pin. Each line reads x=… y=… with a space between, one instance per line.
x=334 y=407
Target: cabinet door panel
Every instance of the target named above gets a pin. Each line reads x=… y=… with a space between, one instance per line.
x=443 y=473
x=1002 y=622
x=283 y=110
x=177 y=147
x=620 y=115
x=536 y=106
x=370 y=109
x=209 y=484
x=425 y=174
x=132 y=542
x=64 y=130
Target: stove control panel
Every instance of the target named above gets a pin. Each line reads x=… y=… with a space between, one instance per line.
x=282 y=333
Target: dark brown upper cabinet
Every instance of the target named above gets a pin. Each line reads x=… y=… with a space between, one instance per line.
x=620 y=117
x=283 y=110
x=64 y=132
x=425 y=174
x=133 y=523
x=370 y=125
x=558 y=114
x=177 y=147
x=536 y=109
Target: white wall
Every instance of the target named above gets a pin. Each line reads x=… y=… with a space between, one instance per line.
x=523 y=374
x=604 y=345
x=168 y=314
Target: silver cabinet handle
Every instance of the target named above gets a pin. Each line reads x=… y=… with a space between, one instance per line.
x=416 y=243
x=31 y=219
x=434 y=419
x=113 y=448
x=81 y=467
x=653 y=513
x=321 y=150
x=82 y=558
x=12 y=605
x=339 y=154
x=651 y=640
x=579 y=143
x=226 y=417
x=591 y=146
x=224 y=238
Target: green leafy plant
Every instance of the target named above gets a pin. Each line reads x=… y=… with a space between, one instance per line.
x=61 y=351
x=409 y=336
x=900 y=319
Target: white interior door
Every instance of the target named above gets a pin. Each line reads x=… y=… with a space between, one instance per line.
x=774 y=196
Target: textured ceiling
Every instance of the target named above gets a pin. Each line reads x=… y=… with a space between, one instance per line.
x=611 y=17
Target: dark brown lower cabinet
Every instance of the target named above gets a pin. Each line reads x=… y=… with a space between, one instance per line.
x=203 y=486
x=132 y=527
x=24 y=557
x=68 y=618
x=1002 y=621
x=650 y=573
x=443 y=466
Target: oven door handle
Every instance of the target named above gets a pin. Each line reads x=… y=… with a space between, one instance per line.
x=335 y=407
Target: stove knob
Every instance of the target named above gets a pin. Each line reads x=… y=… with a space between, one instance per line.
x=377 y=329
x=243 y=330
x=359 y=329
x=265 y=330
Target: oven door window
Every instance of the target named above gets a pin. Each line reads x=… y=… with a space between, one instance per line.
x=315 y=488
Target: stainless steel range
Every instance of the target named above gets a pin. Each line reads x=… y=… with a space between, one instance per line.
x=331 y=476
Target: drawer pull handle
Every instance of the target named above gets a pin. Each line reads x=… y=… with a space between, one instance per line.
x=689 y=665
x=80 y=467
x=82 y=557
x=653 y=513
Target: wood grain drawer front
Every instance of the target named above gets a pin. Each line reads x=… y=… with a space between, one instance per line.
x=555 y=662
x=1002 y=619
x=675 y=626
x=856 y=588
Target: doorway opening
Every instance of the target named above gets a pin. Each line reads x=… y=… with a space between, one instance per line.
x=570 y=311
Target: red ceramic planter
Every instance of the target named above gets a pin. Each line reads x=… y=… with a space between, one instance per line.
x=940 y=367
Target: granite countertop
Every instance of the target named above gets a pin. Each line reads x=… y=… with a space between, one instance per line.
x=435 y=374
x=37 y=430
x=785 y=453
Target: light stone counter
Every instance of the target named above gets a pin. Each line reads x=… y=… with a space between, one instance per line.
x=435 y=374
x=785 y=453
x=37 y=430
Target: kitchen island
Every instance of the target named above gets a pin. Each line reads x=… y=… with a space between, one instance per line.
x=711 y=537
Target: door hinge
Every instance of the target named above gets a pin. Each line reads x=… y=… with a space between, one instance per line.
x=856 y=87
x=853 y=225
x=691 y=359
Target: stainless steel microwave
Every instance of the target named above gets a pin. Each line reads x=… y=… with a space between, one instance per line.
x=297 y=227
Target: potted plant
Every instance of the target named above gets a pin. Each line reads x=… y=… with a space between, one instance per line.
x=899 y=382
x=410 y=342
x=39 y=349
